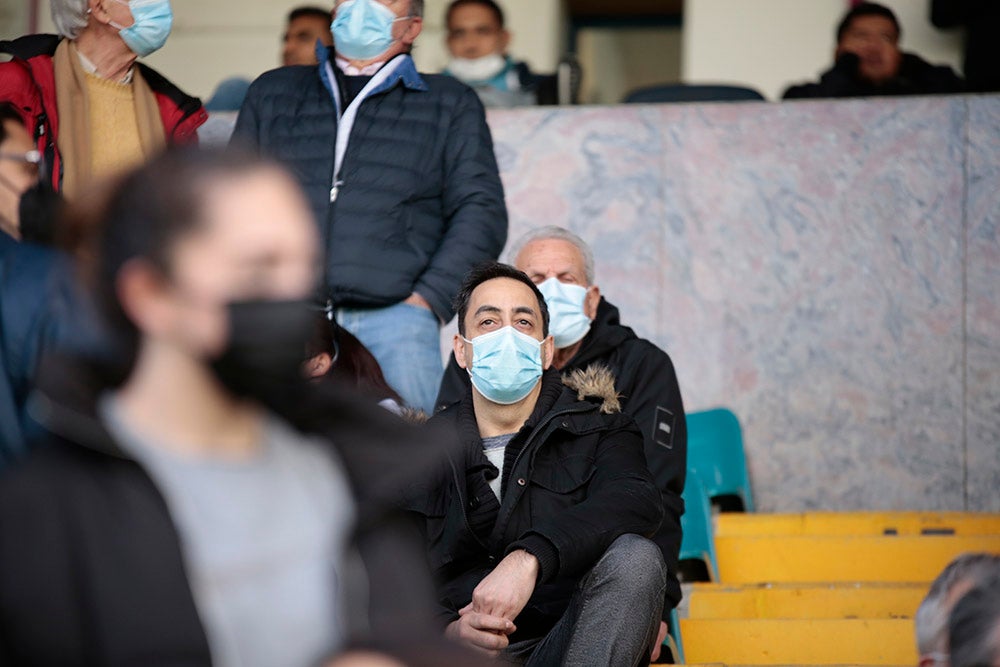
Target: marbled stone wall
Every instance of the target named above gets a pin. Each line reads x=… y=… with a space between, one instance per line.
x=982 y=305
x=828 y=270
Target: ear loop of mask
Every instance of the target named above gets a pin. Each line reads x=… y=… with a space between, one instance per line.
x=330 y=316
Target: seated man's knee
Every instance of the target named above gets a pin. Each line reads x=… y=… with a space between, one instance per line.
x=635 y=560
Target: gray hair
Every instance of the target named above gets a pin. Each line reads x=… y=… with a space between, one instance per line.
x=931 y=620
x=69 y=17
x=974 y=626
x=554 y=232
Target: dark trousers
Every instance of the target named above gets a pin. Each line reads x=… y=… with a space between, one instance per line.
x=614 y=614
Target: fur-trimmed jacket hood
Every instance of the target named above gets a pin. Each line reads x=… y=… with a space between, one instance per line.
x=595 y=381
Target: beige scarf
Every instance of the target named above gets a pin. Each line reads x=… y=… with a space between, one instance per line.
x=73 y=107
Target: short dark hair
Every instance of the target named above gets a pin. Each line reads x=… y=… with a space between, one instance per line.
x=974 y=627
x=351 y=360
x=867 y=9
x=490 y=271
x=488 y=4
x=9 y=112
x=310 y=11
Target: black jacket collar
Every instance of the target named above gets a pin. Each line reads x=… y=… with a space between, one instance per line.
x=606 y=333
x=465 y=413
x=32 y=46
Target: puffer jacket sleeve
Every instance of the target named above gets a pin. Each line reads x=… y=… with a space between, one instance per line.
x=473 y=207
x=246 y=131
x=622 y=499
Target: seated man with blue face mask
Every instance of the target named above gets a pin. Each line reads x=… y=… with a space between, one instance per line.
x=537 y=534
x=588 y=333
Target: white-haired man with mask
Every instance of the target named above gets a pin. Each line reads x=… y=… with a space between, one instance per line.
x=91 y=109
x=588 y=332
x=956 y=579
x=401 y=178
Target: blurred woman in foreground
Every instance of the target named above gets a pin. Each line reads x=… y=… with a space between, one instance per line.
x=198 y=502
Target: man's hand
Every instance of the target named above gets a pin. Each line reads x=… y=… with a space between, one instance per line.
x=506 y=589
x=660 y=636
x=417 y=300
x=480 y=631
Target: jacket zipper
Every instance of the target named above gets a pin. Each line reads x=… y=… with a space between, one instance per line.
x=545 y=425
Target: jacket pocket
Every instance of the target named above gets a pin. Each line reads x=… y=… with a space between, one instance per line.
x=559 y=482
x=563 y=475
x=558 y=485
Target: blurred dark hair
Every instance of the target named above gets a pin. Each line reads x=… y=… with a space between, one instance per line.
x=310 y=11
x=490 y=271
x=974 y=627
x=488 y=4
x=867 y=9
x=8 y=112
x=352 y=361
x=143 y=214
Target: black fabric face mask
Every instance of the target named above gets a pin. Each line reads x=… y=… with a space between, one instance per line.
x=266 y=350
x=38 y=211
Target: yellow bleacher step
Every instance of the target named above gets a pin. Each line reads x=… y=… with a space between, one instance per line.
x=857 y=523
x=843 y=600
x=811 y=559
x=799 y=641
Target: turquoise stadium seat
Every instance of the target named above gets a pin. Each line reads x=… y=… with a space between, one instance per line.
x=673 y=638
x=715 y=455
x=697 y=541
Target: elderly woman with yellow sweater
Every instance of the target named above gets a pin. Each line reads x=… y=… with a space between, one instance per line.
x=92 y=110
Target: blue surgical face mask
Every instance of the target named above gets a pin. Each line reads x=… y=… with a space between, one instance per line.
x=151 y=24
x=362 y=29
x=567 y=321
x=506 y=364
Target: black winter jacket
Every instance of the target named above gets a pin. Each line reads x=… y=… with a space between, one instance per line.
x=916 y=77
x=421 y=200
x=40 y=310
x=91 y=567
x=647 y=384
x=575 y=479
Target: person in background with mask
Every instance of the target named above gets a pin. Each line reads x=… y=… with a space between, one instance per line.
x=306 y=26
x=477 y=41
x=401 y=177
x=91 y=109
x=588 y=333
x=197 y=501
x=537 y=530
x=36 y=292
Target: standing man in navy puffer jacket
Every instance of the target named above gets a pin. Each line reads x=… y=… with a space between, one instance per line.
x=400 y=173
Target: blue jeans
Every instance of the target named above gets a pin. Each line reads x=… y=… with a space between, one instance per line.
x=614 y=614
x=405 y=341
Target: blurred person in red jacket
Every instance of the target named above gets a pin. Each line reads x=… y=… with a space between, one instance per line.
x=91 y=109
